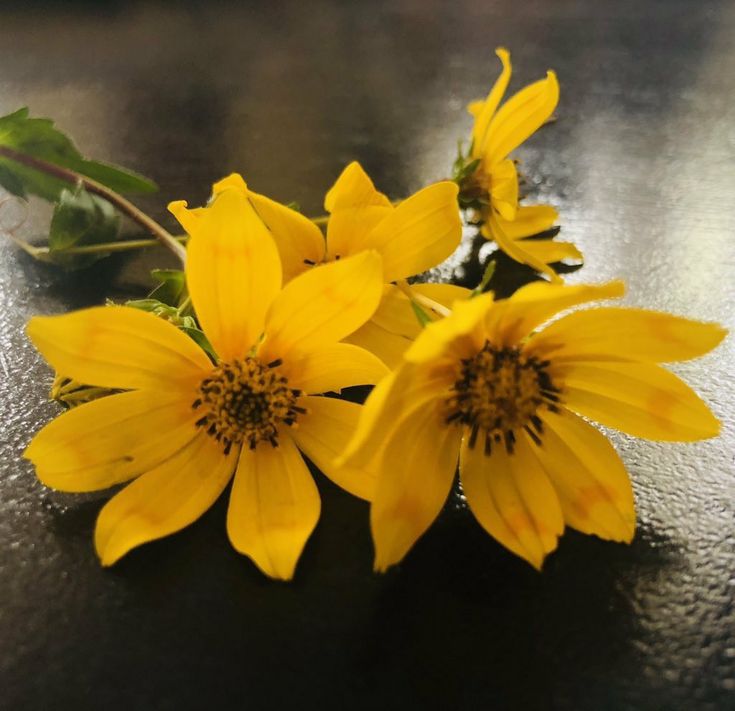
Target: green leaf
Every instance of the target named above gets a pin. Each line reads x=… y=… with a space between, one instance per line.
x=171 y=289
x=80 y=218
x=39 y=138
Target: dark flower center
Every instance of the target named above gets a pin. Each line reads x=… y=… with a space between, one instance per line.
x=246 y=401
x=498 y=391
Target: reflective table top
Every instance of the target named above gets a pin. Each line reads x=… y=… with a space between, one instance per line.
x=641 y=166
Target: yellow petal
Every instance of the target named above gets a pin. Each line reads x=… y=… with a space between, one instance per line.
x=420 y=233
x=444 y=294
x=119 y=347
x=233 y=273
x=626 y=334
x=486 y=110
x=165 y=499
x=353 y=189
x=475 y=107
x=387 y=346
x=331 y=367
x=416 y=473
x=504 y=189
x=513 y=499
x=323 y=305
x=514 y=318
x=396 y=314
x=299 y=241
x=439 y=336
x=190 y=218
x=530 y=220
x=322 y=435
x=111 y=440
x=349 y=227
x=641 y=399
x=494 y=228
x=520 y=117
x=274 y=507
x=549 y=251
x=394 y=398
x=588 y=476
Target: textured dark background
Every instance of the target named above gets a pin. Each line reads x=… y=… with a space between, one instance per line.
x=641 y=165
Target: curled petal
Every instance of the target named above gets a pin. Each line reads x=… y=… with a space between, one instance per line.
x=483 y=111
x=520 y=117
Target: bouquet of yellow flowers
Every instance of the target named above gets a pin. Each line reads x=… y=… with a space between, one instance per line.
x=233 y=369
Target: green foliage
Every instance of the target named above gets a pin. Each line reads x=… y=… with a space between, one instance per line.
x=171 y=289
x=175 y=316
x=39 y=138
x=80 y=219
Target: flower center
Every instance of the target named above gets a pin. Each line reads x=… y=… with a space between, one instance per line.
x=498 y=391
x=246 y=401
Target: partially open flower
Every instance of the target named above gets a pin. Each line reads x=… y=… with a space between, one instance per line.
x=186 y=424
x=415 y=235
x=507 y=400
x=488 y=178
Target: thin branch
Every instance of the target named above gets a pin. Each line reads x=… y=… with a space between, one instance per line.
x=92 y=186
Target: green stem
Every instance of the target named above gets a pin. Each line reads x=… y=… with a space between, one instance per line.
x=92 y=186
x=422 y=300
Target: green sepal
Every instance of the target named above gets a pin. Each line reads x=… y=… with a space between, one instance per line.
x=39 y=138
x=294 y=206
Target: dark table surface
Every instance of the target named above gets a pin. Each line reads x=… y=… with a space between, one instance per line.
x=641 y=165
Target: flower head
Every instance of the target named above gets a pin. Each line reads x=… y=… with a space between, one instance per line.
x=488 y=177
x=184 y=424
x=485 y=387
x=411 y=237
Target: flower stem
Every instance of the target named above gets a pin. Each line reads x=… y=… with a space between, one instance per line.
x=92 y=186
x=422 y=300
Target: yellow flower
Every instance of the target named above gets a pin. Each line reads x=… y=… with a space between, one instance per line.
x=185 y=424
x=493 y=186
x=486 y=387
x=413 y=236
